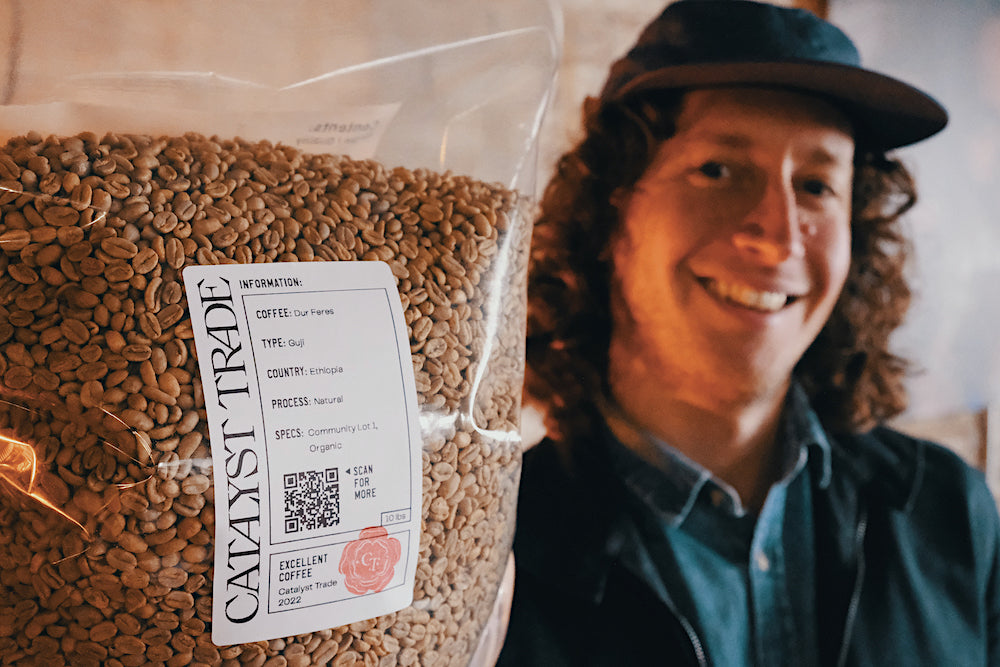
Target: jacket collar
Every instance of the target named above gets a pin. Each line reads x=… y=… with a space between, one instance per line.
x=579 y=505
x=883 y=465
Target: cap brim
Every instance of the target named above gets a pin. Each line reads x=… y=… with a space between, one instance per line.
x=886 y=112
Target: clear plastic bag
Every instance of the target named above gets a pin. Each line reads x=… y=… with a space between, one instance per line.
x=144 y=137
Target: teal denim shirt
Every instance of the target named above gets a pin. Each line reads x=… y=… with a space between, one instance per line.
x=742 y=582
x=906 y=539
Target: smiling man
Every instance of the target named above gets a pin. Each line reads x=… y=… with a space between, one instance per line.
x=716 y=273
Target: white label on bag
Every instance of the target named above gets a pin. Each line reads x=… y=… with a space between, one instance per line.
x=312 y=414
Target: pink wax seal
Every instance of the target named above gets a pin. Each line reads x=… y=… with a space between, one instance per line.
x=369 y=562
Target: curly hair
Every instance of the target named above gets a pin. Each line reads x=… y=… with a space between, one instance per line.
x=852 y=378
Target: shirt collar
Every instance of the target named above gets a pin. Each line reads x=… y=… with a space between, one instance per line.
x=671 y=484
x=802 y=428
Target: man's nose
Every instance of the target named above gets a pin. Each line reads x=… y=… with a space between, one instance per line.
x=771 y=230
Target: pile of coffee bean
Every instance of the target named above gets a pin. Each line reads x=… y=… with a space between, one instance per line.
x=107 y=513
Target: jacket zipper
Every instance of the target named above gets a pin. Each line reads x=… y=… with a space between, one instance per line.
x=699 y=650
x=852 y=608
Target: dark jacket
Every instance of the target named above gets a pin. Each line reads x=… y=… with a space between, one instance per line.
x=907 y=541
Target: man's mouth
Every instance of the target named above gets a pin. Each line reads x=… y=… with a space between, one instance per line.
x=746 y=296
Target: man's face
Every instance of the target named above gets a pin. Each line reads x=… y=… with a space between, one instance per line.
x=735 y=243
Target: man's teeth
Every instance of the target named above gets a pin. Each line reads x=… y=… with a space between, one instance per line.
x=746 y=296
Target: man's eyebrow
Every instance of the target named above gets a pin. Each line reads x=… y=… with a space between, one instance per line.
x=819 y=155
x=823 y=157
x=725 y=139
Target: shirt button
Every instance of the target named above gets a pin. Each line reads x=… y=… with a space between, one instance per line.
x=763 y=564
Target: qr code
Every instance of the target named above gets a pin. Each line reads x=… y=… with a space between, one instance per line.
x=312 y=500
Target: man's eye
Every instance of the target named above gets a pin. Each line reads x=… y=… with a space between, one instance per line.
x=714 y=170
x=816 y=187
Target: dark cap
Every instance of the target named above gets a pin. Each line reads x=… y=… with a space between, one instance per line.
x=703 y=43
